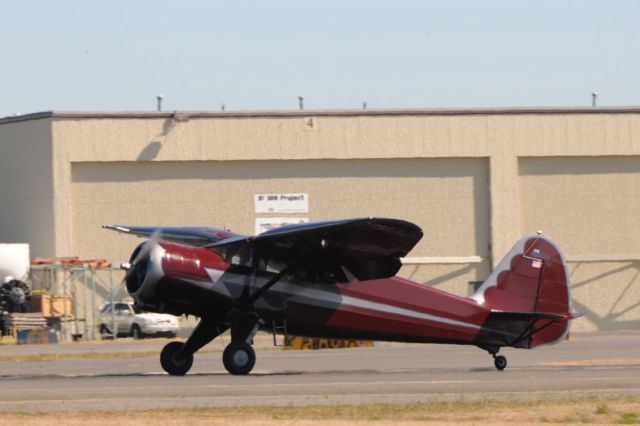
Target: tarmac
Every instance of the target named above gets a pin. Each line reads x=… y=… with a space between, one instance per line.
x=131 y=378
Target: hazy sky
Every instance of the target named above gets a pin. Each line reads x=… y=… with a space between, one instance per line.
x=118 y=55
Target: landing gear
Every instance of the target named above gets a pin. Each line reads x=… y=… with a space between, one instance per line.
x=500 y=362
x=174 y=360
x=239 y=358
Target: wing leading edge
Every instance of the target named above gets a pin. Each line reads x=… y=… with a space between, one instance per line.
x=191 y=235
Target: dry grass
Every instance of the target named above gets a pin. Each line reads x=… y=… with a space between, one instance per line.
x=593 y=410
x=50 y=356
x=40 y=356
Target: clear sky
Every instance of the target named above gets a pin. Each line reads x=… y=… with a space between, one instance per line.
x=119 y=54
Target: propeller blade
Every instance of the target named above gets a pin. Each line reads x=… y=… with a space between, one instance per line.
x=147 y=246
x=118 y=292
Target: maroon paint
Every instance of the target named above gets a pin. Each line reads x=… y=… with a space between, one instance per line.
x=187 y=261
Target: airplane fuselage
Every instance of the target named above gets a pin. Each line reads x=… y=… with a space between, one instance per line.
x=198 y=281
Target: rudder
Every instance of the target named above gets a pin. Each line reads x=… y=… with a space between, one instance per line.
x=532 y=278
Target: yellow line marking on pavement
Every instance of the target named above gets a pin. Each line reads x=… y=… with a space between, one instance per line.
x=591 y=363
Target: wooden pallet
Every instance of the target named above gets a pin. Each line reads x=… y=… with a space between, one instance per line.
x=24 y=321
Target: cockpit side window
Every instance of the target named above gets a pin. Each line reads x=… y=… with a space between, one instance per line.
x=242 y=257
x=271 y=265
x=238 y=253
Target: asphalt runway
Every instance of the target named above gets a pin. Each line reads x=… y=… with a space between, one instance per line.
x=598 y=363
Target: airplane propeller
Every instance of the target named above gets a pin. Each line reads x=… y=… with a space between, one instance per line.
x=143 y=250
x=137 y=266
x=118 y=292
x=146 y=248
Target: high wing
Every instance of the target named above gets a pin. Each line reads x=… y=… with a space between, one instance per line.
x=191 y=235
x=360 y=238
x=367 y=248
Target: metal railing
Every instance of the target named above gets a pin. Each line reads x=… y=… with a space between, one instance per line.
x=76 y=294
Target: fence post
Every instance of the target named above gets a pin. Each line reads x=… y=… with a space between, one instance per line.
x=63 y=323
x=93 y=304
x=112 y=296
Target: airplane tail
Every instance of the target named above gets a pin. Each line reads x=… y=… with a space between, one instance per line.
x=529 y=296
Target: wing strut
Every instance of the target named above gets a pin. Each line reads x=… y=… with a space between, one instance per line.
x=249 y=301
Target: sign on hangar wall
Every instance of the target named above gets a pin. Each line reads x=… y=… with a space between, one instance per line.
x=264 y=224
x=282 y=203
x=289 y=203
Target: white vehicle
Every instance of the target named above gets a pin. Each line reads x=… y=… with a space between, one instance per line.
x=133 y=321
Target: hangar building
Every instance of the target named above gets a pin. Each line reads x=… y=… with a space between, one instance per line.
x=475 y=180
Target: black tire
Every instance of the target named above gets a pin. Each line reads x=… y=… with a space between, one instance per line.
x=15 y=296
x=173 y=362
x=105 y=332
x=136 y=332
x=500 y=362
x=239 y=358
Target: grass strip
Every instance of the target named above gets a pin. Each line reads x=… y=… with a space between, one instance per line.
x=584 y=410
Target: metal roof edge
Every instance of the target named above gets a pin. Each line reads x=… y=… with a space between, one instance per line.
x=186 y=114
x=26 y=117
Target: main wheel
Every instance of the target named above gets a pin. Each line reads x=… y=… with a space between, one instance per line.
x=500 y=362
x=174 y=362
x=239 y=358
x=136 y=332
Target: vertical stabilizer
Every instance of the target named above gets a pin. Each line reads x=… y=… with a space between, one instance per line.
x=533 y=277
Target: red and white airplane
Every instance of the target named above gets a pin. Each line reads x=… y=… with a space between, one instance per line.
x=336 y=279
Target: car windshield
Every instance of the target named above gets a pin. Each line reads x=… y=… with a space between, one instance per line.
x=137 y=310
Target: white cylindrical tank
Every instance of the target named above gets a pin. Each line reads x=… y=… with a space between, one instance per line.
x=14 y=261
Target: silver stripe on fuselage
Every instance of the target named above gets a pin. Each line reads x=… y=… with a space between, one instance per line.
x=390 y=309
x=327 y=299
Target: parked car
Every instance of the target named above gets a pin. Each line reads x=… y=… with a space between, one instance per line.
x=135 y=322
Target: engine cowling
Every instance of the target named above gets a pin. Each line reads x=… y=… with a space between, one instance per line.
x=170 y=277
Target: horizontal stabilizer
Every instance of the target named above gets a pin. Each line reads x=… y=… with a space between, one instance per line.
x=529 y=316
x=519 y=329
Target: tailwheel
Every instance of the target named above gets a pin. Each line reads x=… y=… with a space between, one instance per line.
x=174 y=361
x=239 y=358
x=500 y=362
